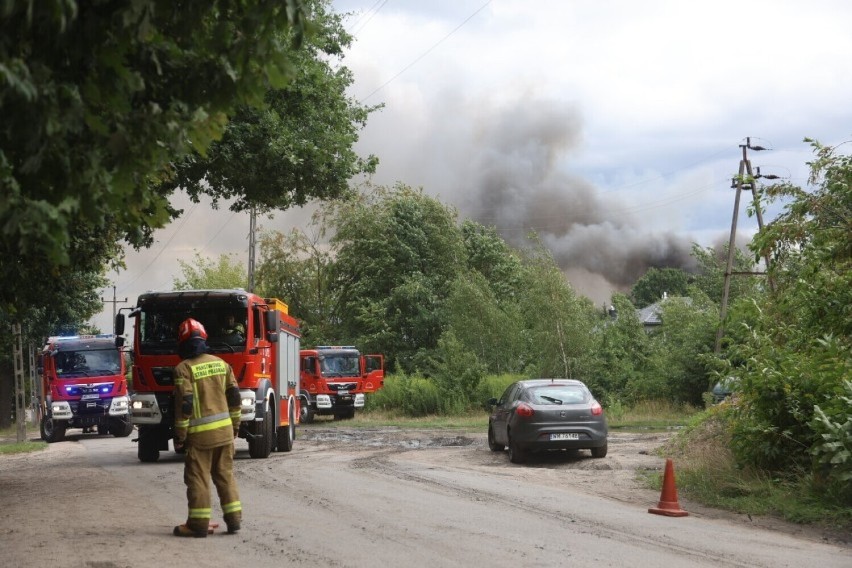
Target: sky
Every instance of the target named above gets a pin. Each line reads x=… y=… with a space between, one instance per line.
x=612 y=128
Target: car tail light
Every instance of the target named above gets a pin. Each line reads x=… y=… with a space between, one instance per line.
x=597 y=409
x=524 y=410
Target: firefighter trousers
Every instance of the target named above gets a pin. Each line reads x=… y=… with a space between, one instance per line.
x=200 y=467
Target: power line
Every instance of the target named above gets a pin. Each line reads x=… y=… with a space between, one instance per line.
x=425 y=53
x=162 y=249
x=374 y=11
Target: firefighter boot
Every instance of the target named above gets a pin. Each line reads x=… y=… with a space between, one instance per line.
x=233 y=522
x=184 y=530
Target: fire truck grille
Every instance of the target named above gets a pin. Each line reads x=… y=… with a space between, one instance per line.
x=349 y=387
x=164 y=376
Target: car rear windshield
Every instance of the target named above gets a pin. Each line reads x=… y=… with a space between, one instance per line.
x=559 y=394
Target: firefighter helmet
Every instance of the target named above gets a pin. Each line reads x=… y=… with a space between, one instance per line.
x=191 y=328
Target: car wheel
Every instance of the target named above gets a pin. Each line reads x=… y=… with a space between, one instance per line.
x=516 y=453
x=492 y=445
x=599 y=452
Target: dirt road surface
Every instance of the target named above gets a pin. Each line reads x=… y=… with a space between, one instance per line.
x=382 y=497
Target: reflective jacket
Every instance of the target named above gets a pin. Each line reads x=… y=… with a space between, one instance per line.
x=202 y=415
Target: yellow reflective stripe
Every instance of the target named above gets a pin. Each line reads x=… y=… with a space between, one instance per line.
x=208 y=369
x=225 y=422
x=232 y=507
x=196 y=402
x=182 y=423
x=200 y=513
x=236 y=413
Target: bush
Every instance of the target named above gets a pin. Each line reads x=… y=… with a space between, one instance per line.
x=492 y=386
x=833 y=450
x=407 y=395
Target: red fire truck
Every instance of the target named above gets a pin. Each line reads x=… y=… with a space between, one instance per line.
x=82 y=386
x=256 y=336
x=336 y=379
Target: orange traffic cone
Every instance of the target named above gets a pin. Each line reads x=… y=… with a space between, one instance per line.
x=668 y=504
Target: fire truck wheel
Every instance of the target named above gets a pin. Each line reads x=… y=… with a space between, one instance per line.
x=287 y=435
x=261 y=445
x=147 y=452
x=121 y=428
x=52 y=430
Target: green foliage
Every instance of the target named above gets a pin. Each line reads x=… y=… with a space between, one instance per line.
x=556 y=321
x=656 y=282
x=457 y=372
x=710 y=278
x=833 y=449
x=810 y=246
x=299 y=270
x=398 y=250
x=493 y=386
x=485 y=325
x=494 y=259
x=205 y=274
x=620 y=351
x=98 y=99
x=680 y=350
x=408 y=395
x=299 y=145
x=777 y=393
x=791 y=348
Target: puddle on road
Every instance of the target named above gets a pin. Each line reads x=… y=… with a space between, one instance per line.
x=376 y=439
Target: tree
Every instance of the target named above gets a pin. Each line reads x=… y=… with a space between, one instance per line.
x=485 y=326
x=299 y=270
x=656 y=282
x=205 y=274
x=710 y=278
x=679 y=351
x=48 y=306
x=792 y=351
x=489 y=255
x=557 y=322
x=299 y=145
x=398 y=250
x=98 y=99
x=619 y=355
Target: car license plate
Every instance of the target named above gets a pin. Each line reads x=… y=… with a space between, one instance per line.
x=343 y=391
x=90 y=396
x=566 y=436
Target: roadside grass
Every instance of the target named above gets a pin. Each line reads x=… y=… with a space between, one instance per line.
x=10 y=445
x=653 y=415
x=707 y=473
x=645 y=416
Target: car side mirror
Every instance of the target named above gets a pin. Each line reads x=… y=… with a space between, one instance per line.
x=492 y=402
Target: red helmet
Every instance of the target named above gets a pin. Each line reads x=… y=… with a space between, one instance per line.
x=191 y=328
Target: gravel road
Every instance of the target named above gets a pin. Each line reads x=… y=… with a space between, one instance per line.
x=379 y=497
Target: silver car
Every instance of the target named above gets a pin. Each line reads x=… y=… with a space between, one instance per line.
x=547 y=414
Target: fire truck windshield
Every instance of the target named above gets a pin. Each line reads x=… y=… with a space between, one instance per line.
x=339 y=365
x=158 y=325
x=87 y=363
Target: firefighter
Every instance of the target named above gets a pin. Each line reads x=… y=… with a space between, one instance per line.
x=207 y=419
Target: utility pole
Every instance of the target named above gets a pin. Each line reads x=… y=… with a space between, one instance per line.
x=20 y=382
x=114 y=302
x=252 y=223
x=745 y=180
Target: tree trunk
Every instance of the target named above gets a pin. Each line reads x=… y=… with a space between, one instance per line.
x=7 y=393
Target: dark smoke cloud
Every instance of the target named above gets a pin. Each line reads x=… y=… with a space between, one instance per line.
x=518 y=188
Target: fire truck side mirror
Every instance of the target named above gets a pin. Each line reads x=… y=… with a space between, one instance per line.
x=119 y=325
x=119 y=341
x=271 y=320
